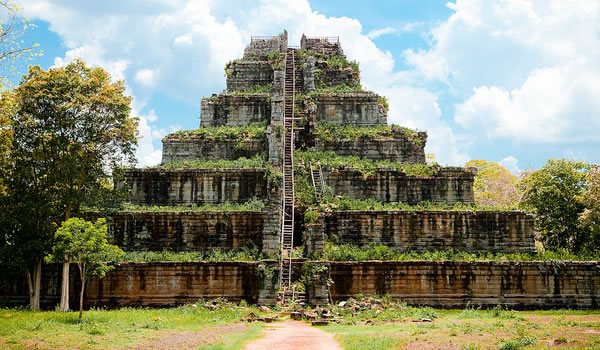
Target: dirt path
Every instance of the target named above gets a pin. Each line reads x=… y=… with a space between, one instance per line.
x=294 y=335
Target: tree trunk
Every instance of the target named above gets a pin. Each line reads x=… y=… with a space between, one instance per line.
x=34 y=282
x=83 y=278
x=64 y=288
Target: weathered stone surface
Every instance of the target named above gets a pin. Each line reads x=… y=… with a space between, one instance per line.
x=186 y=231
x=162 y=284
x=448 y=185
x=195 y=186
x=472 y=231
x=403 y=148
x=456 y=284
x=155 y=284
x=235 y=109
x=260 y=47
x=325 y=46
x=243 y=75
x=350 y=108
x=317 y=283
x=196 y=149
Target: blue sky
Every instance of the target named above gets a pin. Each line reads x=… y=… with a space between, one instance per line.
x=514 y=81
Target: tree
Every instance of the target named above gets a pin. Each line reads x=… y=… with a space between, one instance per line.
x=494 y=184
x=12 y=49
x=70 y=127
x=554 y=193
x=590 y=217
x=83 y=242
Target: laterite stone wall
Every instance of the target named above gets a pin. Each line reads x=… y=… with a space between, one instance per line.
x=349 y=108
x=457 y=284
x=472 y=231
x=191 y=149
x=186 y=231
x=235 y=109
x=195 y=186
x=448 y=185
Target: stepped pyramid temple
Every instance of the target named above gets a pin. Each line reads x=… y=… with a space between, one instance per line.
x=294 y=163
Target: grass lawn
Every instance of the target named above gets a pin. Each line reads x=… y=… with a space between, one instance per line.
x=388 y=326
x=469 y=329
x=186 y=327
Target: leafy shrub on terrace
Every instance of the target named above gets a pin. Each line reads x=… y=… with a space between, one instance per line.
x=347 y=252
x=241 y=163
x=330 y=159
x=213 y=255
x=340 y=62
x=257 y=89
x=251 y=131
x=330 y=132
x=335 y=89
x=345 y=203
x=249 y=206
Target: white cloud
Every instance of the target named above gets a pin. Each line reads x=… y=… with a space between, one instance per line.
x=524 y=70
x=379 y=32
x=511 y=163
x=146 y=153
x=146 y=77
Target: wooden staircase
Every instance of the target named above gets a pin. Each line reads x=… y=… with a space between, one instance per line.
x=316 y=174
x=287 y=222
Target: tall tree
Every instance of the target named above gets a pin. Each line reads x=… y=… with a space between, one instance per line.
x=84 y=243
x=554 y=193
x=12 y=47
x=70 y=127
x=590 y=217
x=494 y=184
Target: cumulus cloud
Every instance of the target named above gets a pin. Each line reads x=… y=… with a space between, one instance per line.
x=523 y=70
x=146 y=77
x=511 y=163
x=379 y=32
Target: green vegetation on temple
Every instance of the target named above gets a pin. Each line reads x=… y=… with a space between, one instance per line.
x=247 y=132
x=331 y=132
x=249 y=206
x=240 y=163
x=347 y=252
x=213 y=255
x=329 y=159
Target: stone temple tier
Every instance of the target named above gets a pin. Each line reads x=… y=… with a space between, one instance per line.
x=294 y=156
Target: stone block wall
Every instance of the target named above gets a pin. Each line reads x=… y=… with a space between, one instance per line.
x=350 y=108
x=457 y=284
x=163 y=284
x=243 y=75
x=260 y=47
x=337 y=76
x=195 y=149
x=186 y=231
x=472 y=231
x=154 y=284
x=324 y=46
x=235 y=109
x=448 y=185
x=402 y=149
x=195 y=186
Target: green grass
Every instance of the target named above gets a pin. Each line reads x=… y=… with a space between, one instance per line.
x=251 y=131
x=395 y=328
x=127 y=327
x=249 y=206
x=330 y=132
x=241 y=163
x=212 y=255
x=330 y=159
x=347 y=252
x=371 y=204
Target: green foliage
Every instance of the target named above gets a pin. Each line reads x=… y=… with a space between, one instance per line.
x=334 y=89
x=249 y=206
x=494 y=185
x=213 y=255
x=383 y=104
x=248 y=132
x=332 y=132
x=347 y=252
x=554 y=193
x=330 y=159
x=340 y=62
x=590 y=218
x=255 y=90
x=13 y=52
x=517 y=343
x=85 y=243
x=345 y=203
x=241 y=163
x=311 y=216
